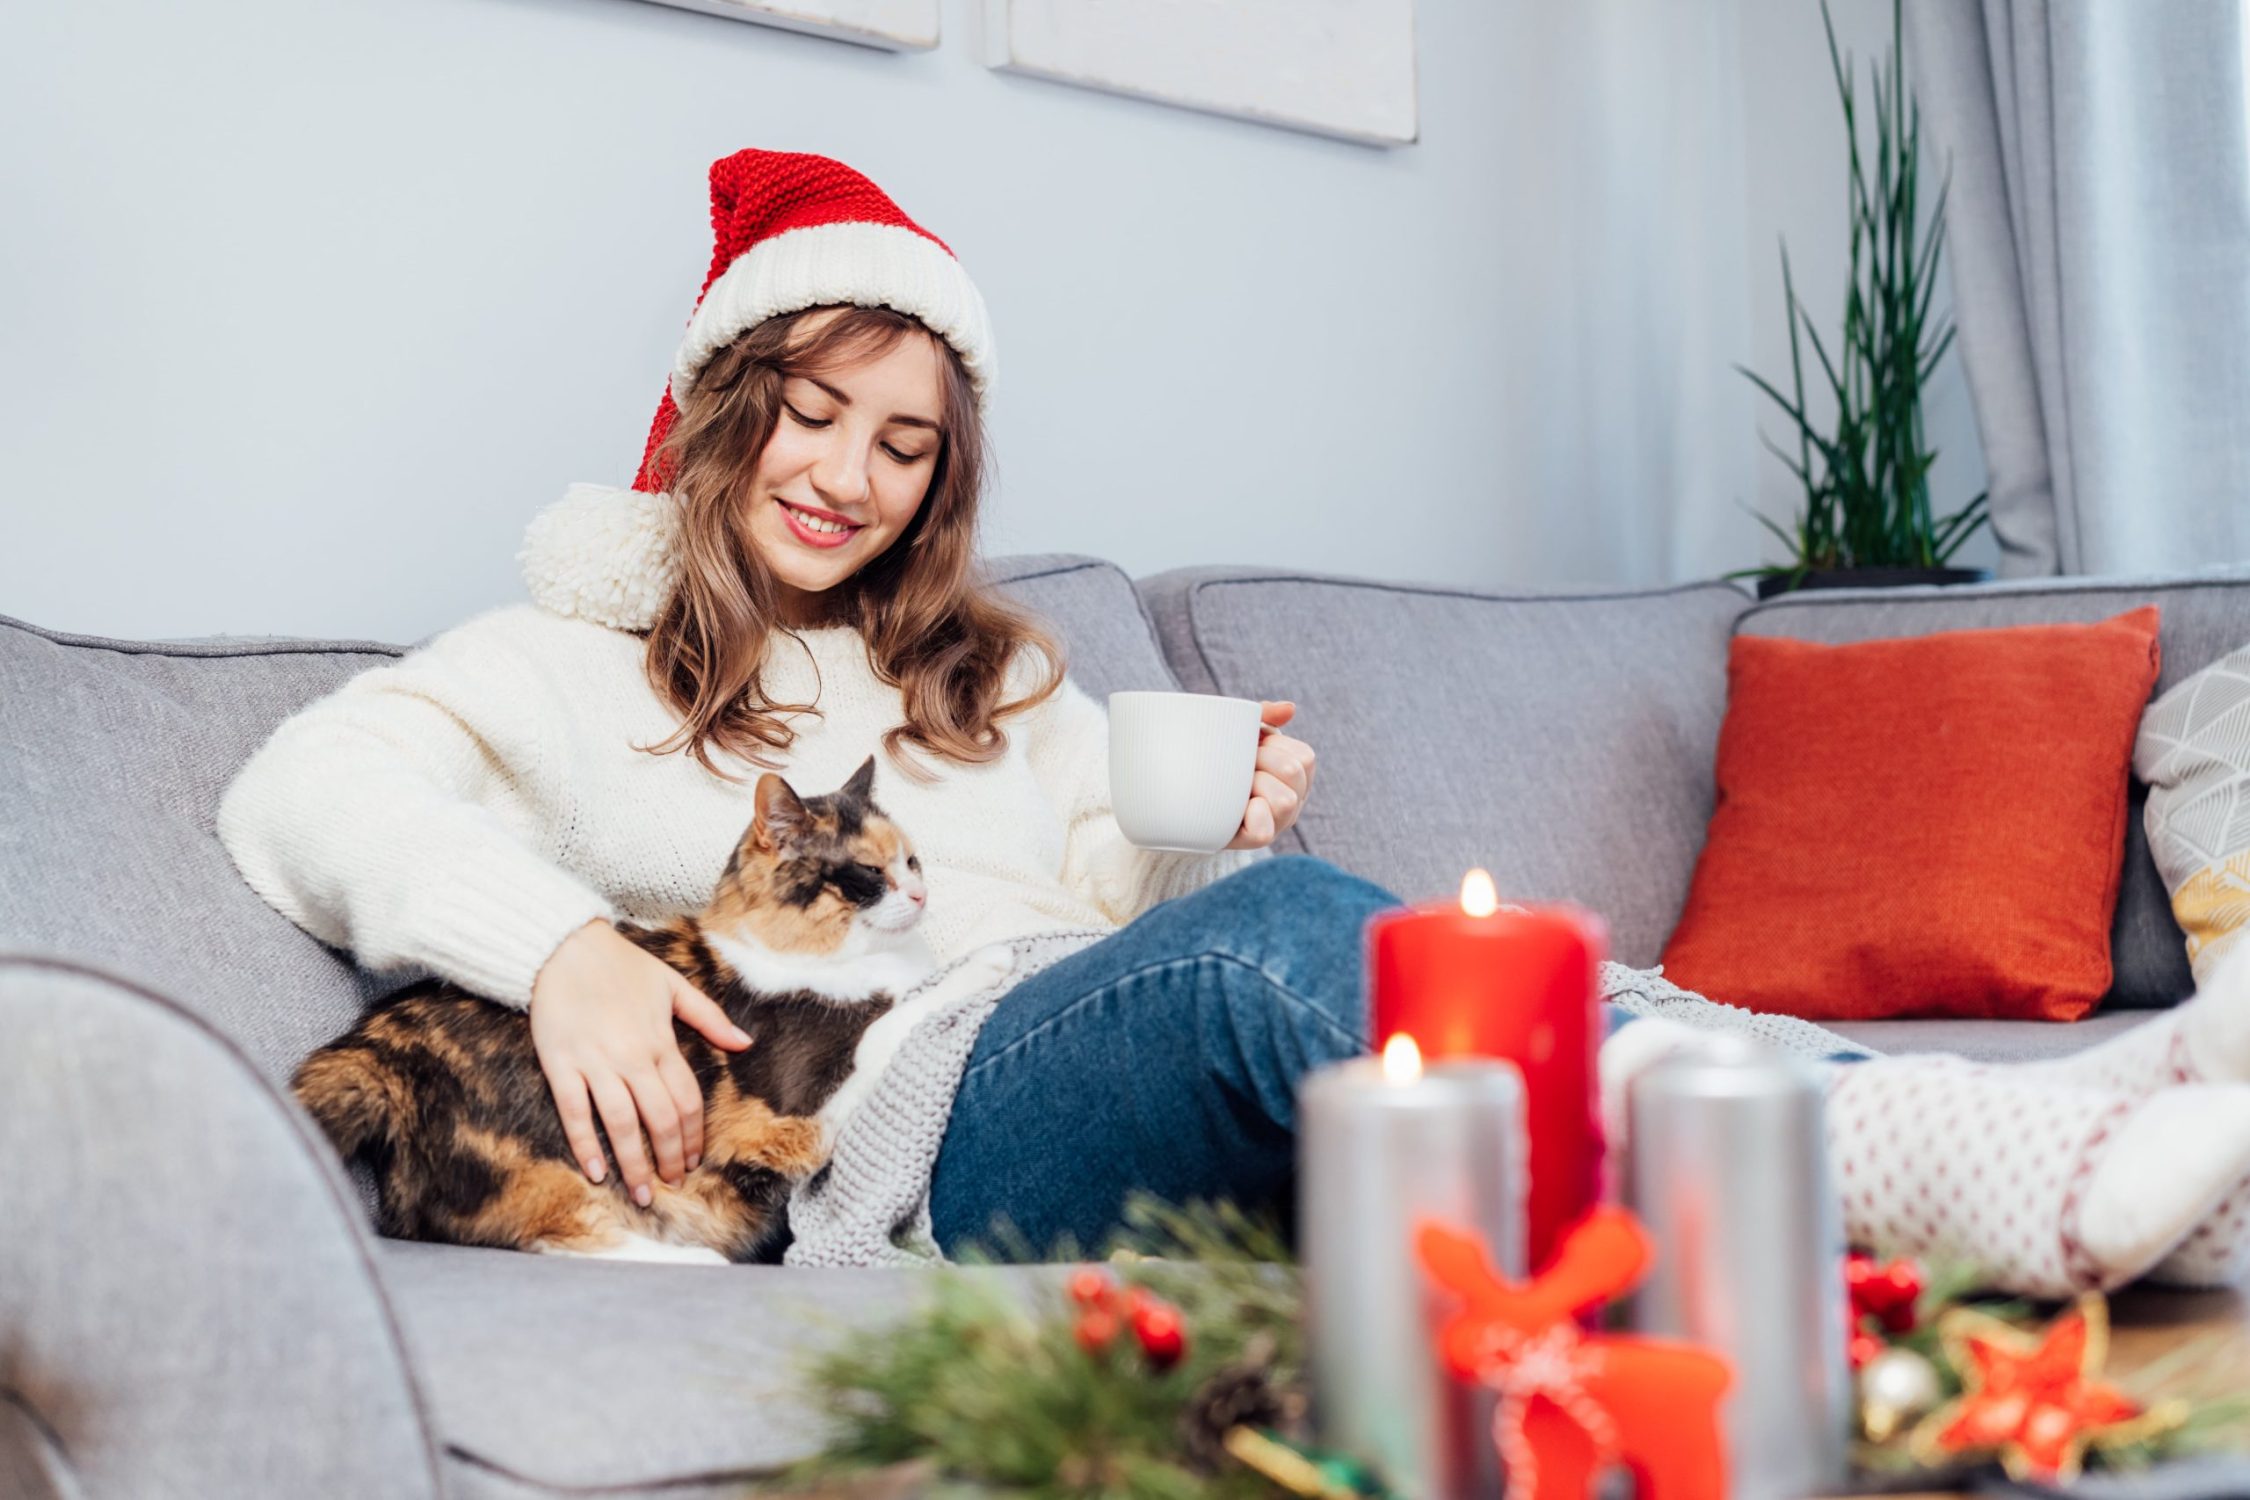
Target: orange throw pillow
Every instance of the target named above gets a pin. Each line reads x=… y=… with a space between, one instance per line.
x=1924 y=827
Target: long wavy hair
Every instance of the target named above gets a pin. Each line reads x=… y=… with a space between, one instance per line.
x=934 y=628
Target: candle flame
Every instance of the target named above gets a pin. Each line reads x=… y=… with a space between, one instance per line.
x=1402 y=1059
x=1479 y=897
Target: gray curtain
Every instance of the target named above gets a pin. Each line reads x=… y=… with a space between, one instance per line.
x=2099 y=233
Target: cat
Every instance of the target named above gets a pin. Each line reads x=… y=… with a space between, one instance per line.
x=807 y=943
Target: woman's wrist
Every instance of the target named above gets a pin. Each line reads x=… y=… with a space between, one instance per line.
x=579 y=940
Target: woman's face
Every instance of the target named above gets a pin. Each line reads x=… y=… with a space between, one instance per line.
x=850 y=460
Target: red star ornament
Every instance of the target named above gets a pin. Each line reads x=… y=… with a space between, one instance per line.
x=2036 y=1400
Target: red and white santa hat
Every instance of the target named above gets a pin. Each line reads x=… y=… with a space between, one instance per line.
x=790 y=231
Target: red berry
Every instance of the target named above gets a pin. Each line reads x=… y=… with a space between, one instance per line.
x=1863 y=1348
x=1902 y=1288
x=1156 y=1323
x=1096 y=1329
x=1092 y=1288
x=1888 y=1293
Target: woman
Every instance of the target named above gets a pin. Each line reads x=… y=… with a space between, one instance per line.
x=789 y=584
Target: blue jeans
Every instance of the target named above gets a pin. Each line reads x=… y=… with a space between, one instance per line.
x=1162 y=1059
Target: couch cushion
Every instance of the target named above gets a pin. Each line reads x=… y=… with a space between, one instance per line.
x=1092 y=605
x=583 y=1374
x=2194 y=753
x=1564 y=741
x=2205 y=617
x=113 y=755
x=112 y=758
x=1990 y=1041
x=1925 y=826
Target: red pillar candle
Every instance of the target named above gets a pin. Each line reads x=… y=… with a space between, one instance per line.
x=1475 y=978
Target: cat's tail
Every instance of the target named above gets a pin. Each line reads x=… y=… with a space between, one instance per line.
x=360 y=1102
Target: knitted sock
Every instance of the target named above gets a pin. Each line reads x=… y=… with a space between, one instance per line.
x=2204 y=1039
x=2213 y=1041
x=2049 y=1187
x=2218 y=1252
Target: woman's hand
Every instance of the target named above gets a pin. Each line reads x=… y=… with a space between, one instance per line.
x=1281 y=783
x=601 y=1019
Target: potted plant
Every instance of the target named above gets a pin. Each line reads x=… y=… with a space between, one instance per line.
x=1866 y=520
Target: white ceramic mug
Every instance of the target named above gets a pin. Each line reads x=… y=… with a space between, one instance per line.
x=1180 y=766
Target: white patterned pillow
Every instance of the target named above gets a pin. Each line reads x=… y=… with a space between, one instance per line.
x=2194 y=753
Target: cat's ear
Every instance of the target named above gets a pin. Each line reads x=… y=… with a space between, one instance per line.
x=862 y=784
x=781 y=814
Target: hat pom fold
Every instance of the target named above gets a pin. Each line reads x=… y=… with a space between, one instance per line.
x=606 y=555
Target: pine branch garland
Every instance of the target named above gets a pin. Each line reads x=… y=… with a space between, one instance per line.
x=992 y=1388
x=1060 y=1390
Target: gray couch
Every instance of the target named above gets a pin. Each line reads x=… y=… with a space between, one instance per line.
x=191 y=1302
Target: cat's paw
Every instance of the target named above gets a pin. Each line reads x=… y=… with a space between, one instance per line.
x=982 y=970
x=973 y=975
x=988 y=965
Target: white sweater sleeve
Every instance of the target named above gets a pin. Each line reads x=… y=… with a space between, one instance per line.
x=416 y=816
x=1068 y=748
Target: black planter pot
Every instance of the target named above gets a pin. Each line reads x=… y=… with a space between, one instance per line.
x=1864 y=578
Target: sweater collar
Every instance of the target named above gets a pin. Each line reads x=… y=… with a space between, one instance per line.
x=606 y=555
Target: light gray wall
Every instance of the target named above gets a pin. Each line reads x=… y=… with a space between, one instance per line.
x=310 y=307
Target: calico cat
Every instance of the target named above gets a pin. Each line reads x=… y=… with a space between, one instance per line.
x=806 y=943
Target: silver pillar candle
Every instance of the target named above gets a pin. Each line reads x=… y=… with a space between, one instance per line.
x=1727 y=1166
x=1383 y=1146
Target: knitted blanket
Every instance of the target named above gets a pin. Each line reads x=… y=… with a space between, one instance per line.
x=1646 y=992
x=871 y=1205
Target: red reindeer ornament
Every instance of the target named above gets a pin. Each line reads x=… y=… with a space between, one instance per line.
x=1573 y=1403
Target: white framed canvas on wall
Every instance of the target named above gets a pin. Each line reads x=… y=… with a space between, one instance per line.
x=1341 y=68
x=893 y=25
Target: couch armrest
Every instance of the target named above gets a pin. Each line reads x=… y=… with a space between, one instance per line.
x=188 y=1301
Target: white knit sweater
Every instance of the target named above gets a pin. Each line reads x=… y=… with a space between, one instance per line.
x=468 y=807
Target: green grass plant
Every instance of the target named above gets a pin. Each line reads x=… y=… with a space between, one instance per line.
x=1866 y=476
